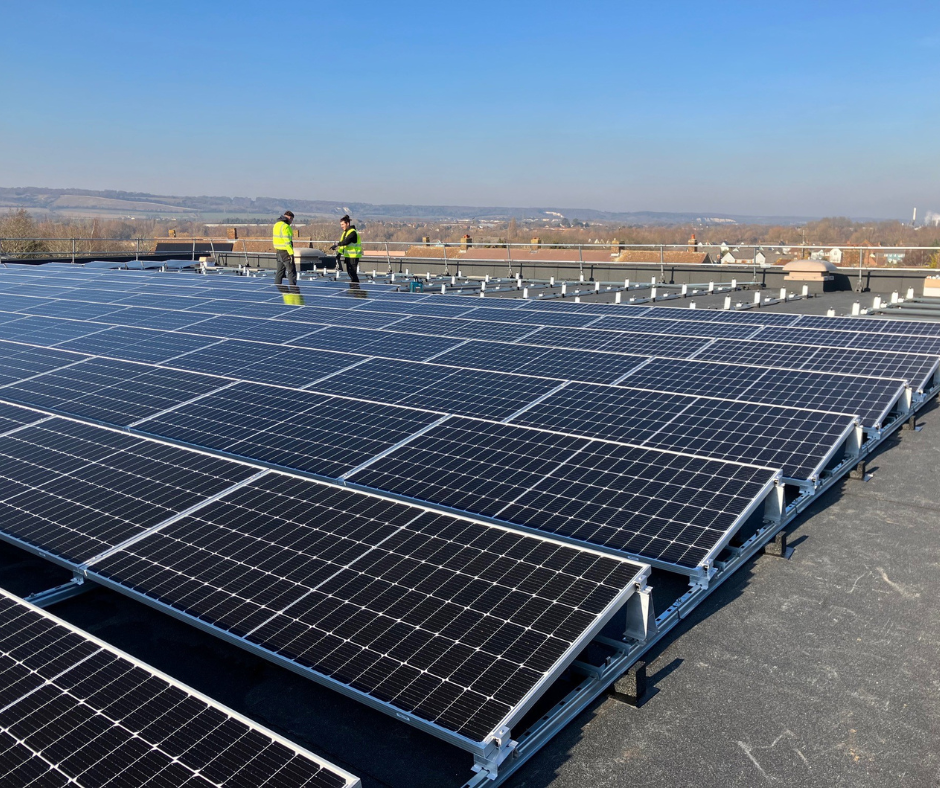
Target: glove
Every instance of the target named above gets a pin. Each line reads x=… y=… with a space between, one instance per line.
x=333 y=248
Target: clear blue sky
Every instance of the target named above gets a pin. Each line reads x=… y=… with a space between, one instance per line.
x=806 y=108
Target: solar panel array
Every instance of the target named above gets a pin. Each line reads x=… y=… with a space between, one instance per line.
x=373 y=489
x=76 y=712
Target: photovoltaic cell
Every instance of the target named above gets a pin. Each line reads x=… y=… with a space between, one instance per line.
x=446 y=620
x=658 y=506
x=114 y=392
x=74 y=490
x=724 y=316
x=309 y=432
x=77 y=712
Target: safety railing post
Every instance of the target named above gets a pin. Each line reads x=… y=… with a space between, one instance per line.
x=509 y=256
x=194 y=250
x=73 y=251
x=580 y=263
x=662 y=263
x=137 y=257
x=388 y=257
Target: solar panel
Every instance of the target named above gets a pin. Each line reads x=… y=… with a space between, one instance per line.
x=386 y=344
x=915 y=369
x=18 y=362
x=429 y=616
x=287 y=366
x=164 y=319
x=339 y=317
x=73 y=490
x=12 y=417
x=557 y=363
x=137 y=344
x=870 y=325
x=852 y=339
x=310 y=432
x=47 y=331
x=396 y=306
x=493 y=395
x=677 y=327
x=78 y=712
x=543 y=317
x=616 y=341
x=725 y=316
x=251 y=328
x=464 y=329
x=868 y=398
x=797 y=441
x=115 y=392
x=672 y=509
x=74 y=310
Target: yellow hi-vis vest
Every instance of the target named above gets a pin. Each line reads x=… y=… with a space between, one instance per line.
x=350 y=250
x=284 y=237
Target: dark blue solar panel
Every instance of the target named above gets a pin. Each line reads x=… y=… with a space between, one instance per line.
x=110 y=391
x=254 y=361
x=316 y=433
x=386 y=344
x=137 y=344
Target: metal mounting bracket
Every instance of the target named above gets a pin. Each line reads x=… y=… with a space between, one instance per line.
x=641 y=616
x=500 y=747
x=77 y=585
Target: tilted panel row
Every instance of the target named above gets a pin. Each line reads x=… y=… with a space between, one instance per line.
x=429 y=616
x=670 y=509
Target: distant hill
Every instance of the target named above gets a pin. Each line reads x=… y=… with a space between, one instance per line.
x=84 y=202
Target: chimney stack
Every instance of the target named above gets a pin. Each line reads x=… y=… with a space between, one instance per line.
x=693 y=244
x=615 y=247
x=466 y=242
x=233 y=233
x=536 y=242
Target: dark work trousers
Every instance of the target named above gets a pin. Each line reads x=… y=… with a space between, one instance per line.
x=352 y=265
x=285 y=264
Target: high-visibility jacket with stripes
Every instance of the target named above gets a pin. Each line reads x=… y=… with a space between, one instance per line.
x=283 y=237
x=350 y=250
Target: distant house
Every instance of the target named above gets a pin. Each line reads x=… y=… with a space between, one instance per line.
x=671 y=258
x=738 y=255
x=835 y=255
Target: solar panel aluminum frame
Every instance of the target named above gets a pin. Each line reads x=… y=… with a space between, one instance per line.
x=498 y=745
x=351 y=781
